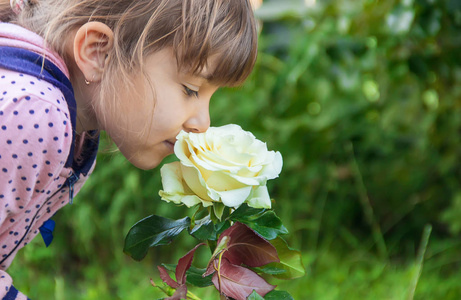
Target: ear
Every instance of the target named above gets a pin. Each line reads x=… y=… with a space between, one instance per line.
x=92 y=42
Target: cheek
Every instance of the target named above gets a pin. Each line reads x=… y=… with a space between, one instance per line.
x=137 y=109
x=129 y=123
x=170 y=106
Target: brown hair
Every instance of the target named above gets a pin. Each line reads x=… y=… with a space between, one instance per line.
x=194 y=29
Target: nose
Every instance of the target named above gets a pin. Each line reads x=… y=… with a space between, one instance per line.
x=199 y=120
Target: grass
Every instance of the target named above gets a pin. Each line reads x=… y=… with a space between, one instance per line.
x=331 y=274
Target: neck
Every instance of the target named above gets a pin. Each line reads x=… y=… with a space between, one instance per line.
x=84 y=94
x=86 y=118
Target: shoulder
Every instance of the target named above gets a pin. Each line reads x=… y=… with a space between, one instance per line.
x=18 y=87
x=33 y=111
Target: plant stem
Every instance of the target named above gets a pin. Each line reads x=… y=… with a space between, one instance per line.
x=318 y=214
x=191 y=296
x=195 y=214
x=420 y=260
x=367 y=207
x=219 y=270
x=160 y=288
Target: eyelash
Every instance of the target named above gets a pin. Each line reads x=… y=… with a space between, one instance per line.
x=189 y=92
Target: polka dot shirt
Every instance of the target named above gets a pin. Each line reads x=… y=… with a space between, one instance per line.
x=35 y=138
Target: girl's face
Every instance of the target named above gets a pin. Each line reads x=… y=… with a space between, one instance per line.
x=145 y=129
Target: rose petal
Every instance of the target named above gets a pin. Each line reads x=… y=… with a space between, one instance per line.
x=205 y=165
x=272 y=170
x=191 y=200
x=236 y=153
x=172 y=177
x=253 y=181
x=234 y=198
x=181 y=149
x=224 y=164
x=206 y=203
x=195 y=182
x=251 y=171
x=260 y=198
x=175 y=198
x=214 y=162
x=173 y=185
x=223 y=181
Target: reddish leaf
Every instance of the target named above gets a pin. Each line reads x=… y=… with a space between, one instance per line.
x=247 y=247
x=184 y=264
x=220 y=248
x=210 y=269
x=180 y=293
x=239 y=282
x=166 y=277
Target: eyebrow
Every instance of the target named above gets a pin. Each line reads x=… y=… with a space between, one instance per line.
x=207 y=77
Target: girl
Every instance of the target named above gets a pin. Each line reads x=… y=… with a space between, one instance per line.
x=142 y=70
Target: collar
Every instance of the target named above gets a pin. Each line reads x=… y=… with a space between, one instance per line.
x=31 y=63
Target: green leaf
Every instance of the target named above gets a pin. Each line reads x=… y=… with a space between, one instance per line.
x=270 y=270
x=400 y=19
x=246 y=211
x=194 y=276
x=152 y=231
x=204 y=229
x=218 y=209
x=290 y=261
x=221 y=227
x=212 y=214
x=255 y=296
x=265 y=223
x=278 y=295
x=223 y=242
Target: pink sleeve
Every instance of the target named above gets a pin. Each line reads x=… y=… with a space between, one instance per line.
x=34 y=144
x=35 y=138
x=7 y=290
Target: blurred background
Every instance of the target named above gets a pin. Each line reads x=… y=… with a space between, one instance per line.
x=363 y=100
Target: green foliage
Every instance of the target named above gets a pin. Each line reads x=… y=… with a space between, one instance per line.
x=264 y=222
x=204 y=229
x=152 y=231
x=361 y=97
x=255 y=296
x=290 y=261
x=273 y=295
x=194 y=275
x=362 y=100
x=278 y=295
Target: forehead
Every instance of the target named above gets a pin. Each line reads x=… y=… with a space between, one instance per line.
x=165 y=63
x=205 y=72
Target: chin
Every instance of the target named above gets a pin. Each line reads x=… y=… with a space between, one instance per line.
x=144 y=164
x=146 y=158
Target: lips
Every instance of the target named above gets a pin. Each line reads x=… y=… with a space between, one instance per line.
x=170 y=144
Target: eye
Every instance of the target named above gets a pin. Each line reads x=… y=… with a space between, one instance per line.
x=190 y=92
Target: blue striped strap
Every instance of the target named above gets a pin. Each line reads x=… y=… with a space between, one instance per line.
x=12 y=294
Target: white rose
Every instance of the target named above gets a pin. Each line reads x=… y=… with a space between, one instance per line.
x=222 y=165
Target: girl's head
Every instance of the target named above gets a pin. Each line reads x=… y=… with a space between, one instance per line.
x=194 y=29
x=218 y=36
